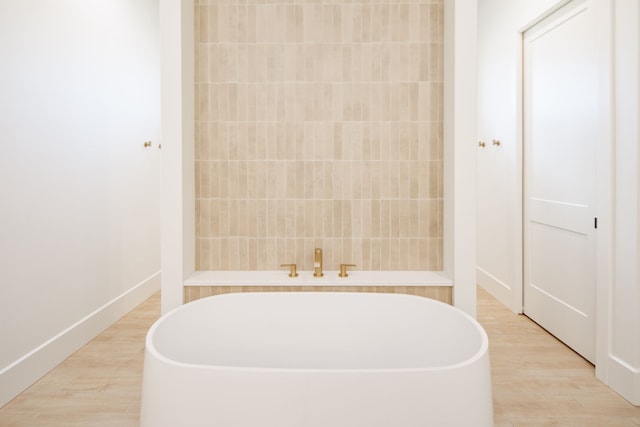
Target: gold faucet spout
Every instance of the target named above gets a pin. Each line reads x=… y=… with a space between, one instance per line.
x=317 y=263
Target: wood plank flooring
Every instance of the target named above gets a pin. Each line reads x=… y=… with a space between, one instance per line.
x=537 y=381
x=98 y=386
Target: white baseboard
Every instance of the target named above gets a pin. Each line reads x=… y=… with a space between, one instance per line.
x=21 y=374
x=497 y=288
x=624 y=379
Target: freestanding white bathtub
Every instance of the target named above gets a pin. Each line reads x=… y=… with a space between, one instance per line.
x=316 y=359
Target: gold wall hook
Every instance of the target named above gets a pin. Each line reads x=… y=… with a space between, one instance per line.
x=147 y=144
x=496 y=142
x=481 y=144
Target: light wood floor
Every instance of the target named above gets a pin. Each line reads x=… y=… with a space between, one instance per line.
x=537 y=381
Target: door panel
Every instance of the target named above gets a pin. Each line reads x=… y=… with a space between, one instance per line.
x=560 y=117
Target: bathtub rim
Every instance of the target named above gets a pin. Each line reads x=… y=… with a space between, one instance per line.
x=150 y=348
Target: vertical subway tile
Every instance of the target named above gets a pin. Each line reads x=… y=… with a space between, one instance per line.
x=414 y=180
x=346 y=251
x=404 y=181
x=318 y=223
x=356 y=180
x=394 y=219
x=318 y=23
x=308 y=180
x=375 y=180
x=356 y=63
x=214 y=219
x=252 y=219
x=426 y=23
x=272 y=254
x=435 y=254
x=385 y=179
x=206 y=254
x=385 y=254
x=385 y=29
x=376 y=62
x=356 y=140
x=347 y=23
x=366 y=181
x=347 y=217
x=376 y=255
x=233 y=21
x=198 y=177
x=272 y=219
x=261 y=218
x=405 y=254
x=243 y=218
x=295 y=64
x=327 y=183
x=308 y=26
x=224 y=254
x=243 y=192
x=319 y=119
x=290 y=219
x=250 y=254
x=404 y=23
x=404 y=132
x=374 y=16
x=366 y=23
x=223 y=22
x=327 y=31
x=337 y=23
x=213 y=258
x=414 y=22
x=347 y=68
x=365 y=258
x=394 y=23
x=251 y=23
x=338 y=65
x=394 y=254
x=256 y=254
x=308 y=218
x=385 y=219
x=200 y=23
x=234 y=224
x=290 y=23
x=278 y=27
x=337 y=140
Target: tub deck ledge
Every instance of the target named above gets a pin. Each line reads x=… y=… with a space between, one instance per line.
x=330 y=278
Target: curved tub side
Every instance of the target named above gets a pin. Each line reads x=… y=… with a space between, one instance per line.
x=193 y=396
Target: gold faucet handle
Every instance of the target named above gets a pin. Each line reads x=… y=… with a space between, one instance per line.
x=343 y=269
x=293 y=269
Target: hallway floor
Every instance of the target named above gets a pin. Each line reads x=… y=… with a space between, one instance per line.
x=537 y=381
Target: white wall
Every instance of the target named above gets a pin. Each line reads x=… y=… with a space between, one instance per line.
x=178 y=122
x=79 y=194
x=623 y=370
x=499 y=208
x=459 y=150
x=499 y=242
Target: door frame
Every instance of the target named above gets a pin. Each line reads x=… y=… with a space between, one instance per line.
x=604 y=175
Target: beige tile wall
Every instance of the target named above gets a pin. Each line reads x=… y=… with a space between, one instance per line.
x=319 y=124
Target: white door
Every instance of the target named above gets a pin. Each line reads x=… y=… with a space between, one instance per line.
x=560 y=125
